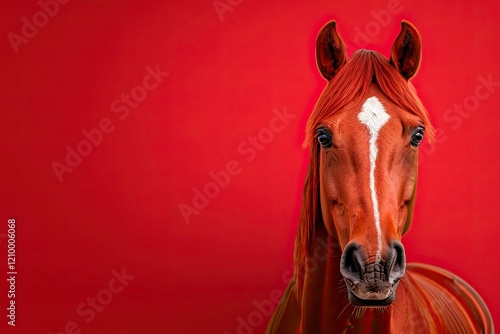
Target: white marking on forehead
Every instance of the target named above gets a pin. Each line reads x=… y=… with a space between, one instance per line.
x=374 y=116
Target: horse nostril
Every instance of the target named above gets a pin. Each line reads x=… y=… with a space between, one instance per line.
x=351 y=264
x=398 y=262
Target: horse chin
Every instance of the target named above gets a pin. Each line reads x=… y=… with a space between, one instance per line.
x=370 y=295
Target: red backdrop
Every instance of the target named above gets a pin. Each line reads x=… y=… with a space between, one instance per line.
x=117 y=115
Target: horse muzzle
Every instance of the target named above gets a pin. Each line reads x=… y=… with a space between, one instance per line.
x=372 y=284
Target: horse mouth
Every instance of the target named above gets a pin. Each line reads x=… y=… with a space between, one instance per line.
x=372 y=284
x=372 y=298
x=371 y=292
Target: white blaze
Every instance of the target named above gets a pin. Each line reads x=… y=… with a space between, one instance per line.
x=374 y=116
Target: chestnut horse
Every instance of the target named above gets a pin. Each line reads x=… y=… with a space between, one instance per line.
x=364 y=134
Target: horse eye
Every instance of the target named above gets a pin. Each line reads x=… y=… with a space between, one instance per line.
x=324 y=138
x=417 y=136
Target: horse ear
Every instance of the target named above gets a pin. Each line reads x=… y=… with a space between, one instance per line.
x=406 y=51
x=330 y=51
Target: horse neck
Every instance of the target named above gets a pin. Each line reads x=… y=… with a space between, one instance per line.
x=324 y=300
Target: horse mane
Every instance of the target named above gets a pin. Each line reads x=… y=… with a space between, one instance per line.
x=349 y=85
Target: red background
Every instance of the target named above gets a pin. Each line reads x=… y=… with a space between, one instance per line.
x=119 y=207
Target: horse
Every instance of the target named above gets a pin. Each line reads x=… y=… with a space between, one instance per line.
x=358 y=201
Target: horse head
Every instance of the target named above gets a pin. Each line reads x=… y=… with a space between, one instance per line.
x=364 y=135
